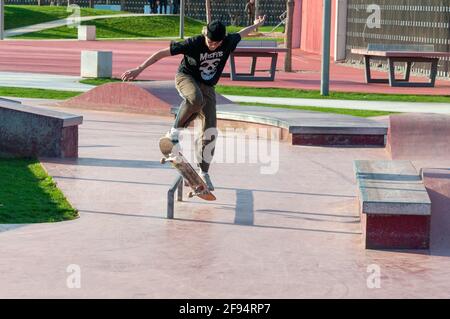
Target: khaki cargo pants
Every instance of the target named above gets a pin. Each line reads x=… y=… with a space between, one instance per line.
x=199 y=102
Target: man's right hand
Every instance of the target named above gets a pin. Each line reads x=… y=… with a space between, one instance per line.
x=130 y=75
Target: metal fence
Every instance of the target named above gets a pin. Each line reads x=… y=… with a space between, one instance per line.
x=402 y=22
x=229 y=11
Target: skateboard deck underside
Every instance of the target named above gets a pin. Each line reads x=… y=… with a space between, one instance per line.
x=186 y=170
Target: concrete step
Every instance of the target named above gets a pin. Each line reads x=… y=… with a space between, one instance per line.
x=394 y=205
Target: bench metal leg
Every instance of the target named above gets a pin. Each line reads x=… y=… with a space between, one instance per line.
x=408 y=71
x=273 y=67
x=251 y=77
x=369 y=78
x=233 y=74
x=177 y=185
x=253 y=68
x=405 y=82
x=434 y=71
x=232 y=67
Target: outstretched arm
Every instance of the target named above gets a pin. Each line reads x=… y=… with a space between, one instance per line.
x=134 y=73
x=258 y=22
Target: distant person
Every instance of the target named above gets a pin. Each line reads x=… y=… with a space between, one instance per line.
x=250 y=10
x=162 y=5
x=153 y=5
x=176 y=6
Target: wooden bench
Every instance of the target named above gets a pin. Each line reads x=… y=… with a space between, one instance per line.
x=401 y=54
x=255 y=50
x=395 y=208
x=33 y=131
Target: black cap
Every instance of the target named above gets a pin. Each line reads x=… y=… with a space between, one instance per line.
x=216 y=31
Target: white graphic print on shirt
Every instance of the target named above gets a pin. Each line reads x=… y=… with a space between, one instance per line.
x=208 y=64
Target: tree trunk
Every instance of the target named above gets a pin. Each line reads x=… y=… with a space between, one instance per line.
x=288 y=35
x=257 y=12
x=208 y=11
x=2 y=19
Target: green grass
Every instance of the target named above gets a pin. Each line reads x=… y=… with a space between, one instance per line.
x=128 y=27
x=99 y=81
x=306 y=94
x=36 y=93
x=312 y=94
x=358 y=113
x=29 y=195
x=131 y=27
x=61 y=95
x=20 y=16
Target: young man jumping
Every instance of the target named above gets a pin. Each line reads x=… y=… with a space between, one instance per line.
x=204 y=59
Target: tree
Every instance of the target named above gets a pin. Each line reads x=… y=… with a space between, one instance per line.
x=208 y=11
x=288 y=35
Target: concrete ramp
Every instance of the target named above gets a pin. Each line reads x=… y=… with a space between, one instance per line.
x=419 y=136
x=156 y=98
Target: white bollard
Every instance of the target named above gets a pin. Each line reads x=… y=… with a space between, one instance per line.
x=86 y=32
x=96 y=64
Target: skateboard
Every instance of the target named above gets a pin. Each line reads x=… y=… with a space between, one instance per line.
x=191 y=177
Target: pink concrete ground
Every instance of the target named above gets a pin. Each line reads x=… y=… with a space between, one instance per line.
x=294 y=234
x=63 y=57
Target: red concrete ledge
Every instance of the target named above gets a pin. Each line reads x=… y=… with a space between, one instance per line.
x=338 y=140
x=419 y=136
x=32 y=132
x=395 y=208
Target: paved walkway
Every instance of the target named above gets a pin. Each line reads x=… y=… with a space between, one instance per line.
x=43 y=81
x=63 y=57
x=293 y=234
x=63 y=22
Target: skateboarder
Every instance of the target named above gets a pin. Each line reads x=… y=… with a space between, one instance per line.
x=204 y=59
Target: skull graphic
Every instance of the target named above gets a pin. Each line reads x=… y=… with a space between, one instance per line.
x=208 y=69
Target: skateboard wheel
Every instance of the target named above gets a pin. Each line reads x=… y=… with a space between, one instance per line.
x=163 y=160
x=191 y=194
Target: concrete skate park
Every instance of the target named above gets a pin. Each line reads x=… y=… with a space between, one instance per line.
x=309 y=204
x=298 y=232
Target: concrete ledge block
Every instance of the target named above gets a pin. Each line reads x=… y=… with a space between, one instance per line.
x=394 y=205
x=33 y=132
x=86 y=32
x=96 y=64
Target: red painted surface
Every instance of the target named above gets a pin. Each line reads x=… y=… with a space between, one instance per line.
x=155 y=98
x=437 y=183
x=337 y=140
x=396 y=231
x=419 y=136
x=69 y=142
x=120 y=97
x=312 y=17
x=63 y=57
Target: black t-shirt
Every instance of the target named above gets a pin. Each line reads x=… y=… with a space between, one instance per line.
x=204 y=65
